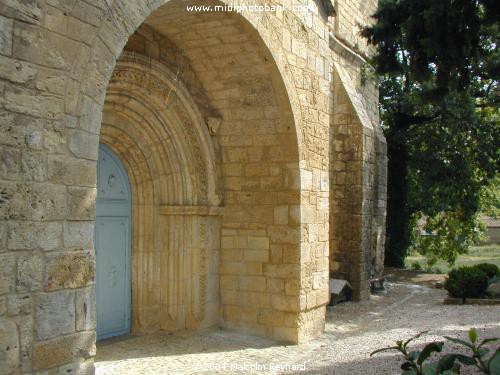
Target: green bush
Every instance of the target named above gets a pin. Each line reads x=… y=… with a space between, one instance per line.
x=491 y=270
x=466 y=282
x=438 y=270
x=416 y=266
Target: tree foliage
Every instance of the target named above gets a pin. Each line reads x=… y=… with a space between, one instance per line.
x=439 y=67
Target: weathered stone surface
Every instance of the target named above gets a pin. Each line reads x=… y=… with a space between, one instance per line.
x=30 y=272
x=7 y=273
x=3 y=306
x=14 y=201
x=82 y=203
x=19 y=304
x=73 y=270
x=48 y=202
x=25 y=328
x=26 y=11
x=3 y=236
x=61 y=350
x=34 y=235
x=9 y=347
x=79 y=235
x=16 y=71
x=33 y=103
x=20 y=130
x=6 y=27
x=71 y=171
x=85 y=309
x=83 y=144
x=90 y=119
x=57 y=52
x=55 y=314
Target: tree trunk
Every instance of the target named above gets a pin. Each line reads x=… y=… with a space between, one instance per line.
x=398 y=212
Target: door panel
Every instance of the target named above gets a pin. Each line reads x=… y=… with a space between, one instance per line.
x=112 y=244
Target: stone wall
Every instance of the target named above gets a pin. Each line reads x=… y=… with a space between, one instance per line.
x=299 y=163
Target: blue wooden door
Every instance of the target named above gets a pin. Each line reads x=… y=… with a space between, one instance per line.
x=112 y=244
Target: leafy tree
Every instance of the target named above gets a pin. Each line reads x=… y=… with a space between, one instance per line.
x=490 y=199
x=439 y=67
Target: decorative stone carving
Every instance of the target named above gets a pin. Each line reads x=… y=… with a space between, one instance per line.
x=213 y=124
x=177 y=179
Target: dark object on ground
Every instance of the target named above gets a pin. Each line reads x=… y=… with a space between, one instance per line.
x=439 y=285
x=377 y=284
x=340 y=291
x=466 y=282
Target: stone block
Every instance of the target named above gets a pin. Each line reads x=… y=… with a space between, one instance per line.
x=256 y=255
x=29 y=272
x=69 y=270
x=9 y=347
x=282 y=270
x=14 y=201
x=284 y=234
x=7 y=273
x=13 y=70
x=71 y=171
x=281 y=215
x=33 y=103
x=79 y=235
x=25 y=11
x=285 y=303
x=54 y=50
x=48 y=202
x=64 y=349
x=55 y=314
x=6 y=29
x=258 y=242
x=85 y=309
x=3 y=236
x=90 y=119
x=83 y=144
x=81 y=205
x=252 y=283
x=25 y=329
x=19 y=304
x=34 y=235
x=292 y=287
x=33 y=165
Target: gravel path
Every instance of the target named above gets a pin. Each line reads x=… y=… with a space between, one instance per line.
x=353 y=330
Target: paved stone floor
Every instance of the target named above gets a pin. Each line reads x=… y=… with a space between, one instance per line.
x=353 y=330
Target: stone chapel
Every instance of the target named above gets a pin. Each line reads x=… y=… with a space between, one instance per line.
x=179 y=164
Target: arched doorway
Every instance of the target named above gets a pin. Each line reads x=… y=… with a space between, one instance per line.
x=112 y=246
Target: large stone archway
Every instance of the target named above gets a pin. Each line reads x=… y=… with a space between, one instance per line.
x=225 y=124
x=151 y=122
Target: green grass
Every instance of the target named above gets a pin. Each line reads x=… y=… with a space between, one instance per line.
x=476 y=255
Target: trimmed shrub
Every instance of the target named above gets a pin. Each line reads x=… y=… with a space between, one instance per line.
x=466 y=282
x=491 y=270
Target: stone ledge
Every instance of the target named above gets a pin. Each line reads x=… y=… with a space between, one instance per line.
x=192 y=210
x=63 y=349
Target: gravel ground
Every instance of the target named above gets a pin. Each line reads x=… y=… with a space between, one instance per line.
x=353 y=330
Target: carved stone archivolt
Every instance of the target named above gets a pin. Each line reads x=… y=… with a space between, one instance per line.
x=151 y=122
